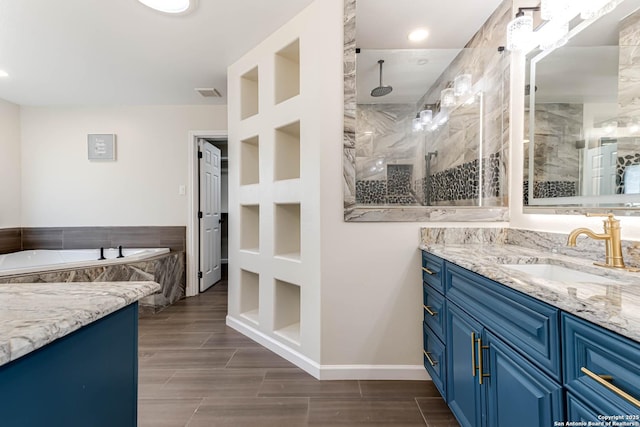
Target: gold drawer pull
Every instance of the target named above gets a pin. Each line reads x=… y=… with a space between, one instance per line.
x=602 y=379
x=428 y=310
x=426 y=270
x=481 y=374
x=473 y=353
x=428 y=356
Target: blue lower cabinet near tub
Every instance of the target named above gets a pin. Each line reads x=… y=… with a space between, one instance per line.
x=88 y=378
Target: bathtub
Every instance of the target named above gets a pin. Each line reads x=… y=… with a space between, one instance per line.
x=47 y=260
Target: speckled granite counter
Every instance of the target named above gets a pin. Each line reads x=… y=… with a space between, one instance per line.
x=615 y=305
x=33 y=315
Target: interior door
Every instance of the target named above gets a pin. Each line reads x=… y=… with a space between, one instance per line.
x=211 y=219
x=601 y=170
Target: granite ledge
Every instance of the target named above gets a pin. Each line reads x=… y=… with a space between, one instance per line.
x=614 y=306
x=33 y=315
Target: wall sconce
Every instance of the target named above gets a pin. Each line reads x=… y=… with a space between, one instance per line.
x=426 y=116
x=462 y=85
x=448 y=98
x=520 y=31
x=416 y=125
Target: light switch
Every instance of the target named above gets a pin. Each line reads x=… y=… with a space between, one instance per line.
x=182 y=190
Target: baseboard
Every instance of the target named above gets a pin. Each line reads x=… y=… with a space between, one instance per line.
x=330 y=372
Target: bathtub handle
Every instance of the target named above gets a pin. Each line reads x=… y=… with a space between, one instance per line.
x=101 y=254
x=120 y=252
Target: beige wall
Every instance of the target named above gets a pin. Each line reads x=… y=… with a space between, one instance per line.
x=62 y=188
x=9 y=165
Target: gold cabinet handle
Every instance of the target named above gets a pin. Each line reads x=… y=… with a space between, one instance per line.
x=426 y=270
x=602 y=379
x=428 y=356
x=428 y=310
x=481 y=373
x=473 y=353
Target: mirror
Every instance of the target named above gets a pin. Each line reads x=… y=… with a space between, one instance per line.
x=449 y=168
x=582 y=118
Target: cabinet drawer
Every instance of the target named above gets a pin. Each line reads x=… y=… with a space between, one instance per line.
x=432 y=270
x=433 y=304
x=601 y=367
x=528 y=325
x=434 y=359
x=579 y=411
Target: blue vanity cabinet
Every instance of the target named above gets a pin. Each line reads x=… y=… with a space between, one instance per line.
x=601 y=372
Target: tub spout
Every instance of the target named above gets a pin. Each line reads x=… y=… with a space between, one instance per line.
x=101 y=254
x=120 y=252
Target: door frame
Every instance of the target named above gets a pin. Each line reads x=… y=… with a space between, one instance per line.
x=193 y=250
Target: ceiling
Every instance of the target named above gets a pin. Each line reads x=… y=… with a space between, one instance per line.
x=119 y=52
x=411 y=68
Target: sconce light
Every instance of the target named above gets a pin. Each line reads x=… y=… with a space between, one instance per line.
x=416 y=125
x=634 y=126
x=520 y=31
x=609 y=127
x=462 y=84
x=425 y=117
x=448 y=98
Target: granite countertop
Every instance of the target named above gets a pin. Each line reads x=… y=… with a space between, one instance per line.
x=614 y=306
x=33 y=315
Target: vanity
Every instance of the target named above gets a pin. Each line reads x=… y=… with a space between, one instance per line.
x=69 y=353
x=510 y=340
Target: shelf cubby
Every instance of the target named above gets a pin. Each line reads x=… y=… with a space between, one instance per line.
x=287 y=72
x=286 y=322
x=250 y=228
x=287 y=231
x=287 y=152
x=249 y=295
x=249 y=94
x=250 y=161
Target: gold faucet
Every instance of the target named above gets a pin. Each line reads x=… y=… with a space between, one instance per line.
x=611 y=237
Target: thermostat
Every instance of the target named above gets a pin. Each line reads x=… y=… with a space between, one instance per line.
x=102 y=146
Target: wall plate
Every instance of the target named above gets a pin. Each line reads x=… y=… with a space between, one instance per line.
x=101 y=146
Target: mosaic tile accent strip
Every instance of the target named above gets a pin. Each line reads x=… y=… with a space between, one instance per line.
x=371 y=192
x=399 y=179
x=622 y=164
x=545 y=189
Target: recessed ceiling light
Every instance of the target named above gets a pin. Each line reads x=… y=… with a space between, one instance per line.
x=170 y=6
x=418 y=35
x=4 y=73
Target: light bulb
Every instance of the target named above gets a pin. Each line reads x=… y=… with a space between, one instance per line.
x=462 y=84
x=426 y=116
x=416 y=124
x=519 y=33
x=448 y=98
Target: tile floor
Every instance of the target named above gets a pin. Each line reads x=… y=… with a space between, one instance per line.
x=195 y=371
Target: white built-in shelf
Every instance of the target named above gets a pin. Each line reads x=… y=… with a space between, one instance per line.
x=250 y=295
x=250 y=228
x=250 y=161
x=249 y=90
x=287 y=72
x=293 y=256
x=286 y=316
x=287 y=152
x=287 y=230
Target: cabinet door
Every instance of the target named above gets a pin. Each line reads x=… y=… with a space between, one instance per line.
x=463 y=387
x=517 y=392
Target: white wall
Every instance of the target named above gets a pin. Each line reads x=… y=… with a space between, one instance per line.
x=62 y=188
x=9 y=165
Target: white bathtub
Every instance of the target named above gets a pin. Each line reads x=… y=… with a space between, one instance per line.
x=46 y=260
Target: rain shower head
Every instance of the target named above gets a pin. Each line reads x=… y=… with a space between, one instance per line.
x=381 y=90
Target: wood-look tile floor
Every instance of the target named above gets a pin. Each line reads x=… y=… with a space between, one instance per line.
x=195 y=371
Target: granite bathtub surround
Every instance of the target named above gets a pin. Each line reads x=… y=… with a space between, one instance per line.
x=33 y=315
x=547 y=243
x=10 y=240
x=490 y=70
x=173 y=238
x=614 y=305
x=168 y=270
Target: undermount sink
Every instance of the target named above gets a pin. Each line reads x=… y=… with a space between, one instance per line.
x=558 y=273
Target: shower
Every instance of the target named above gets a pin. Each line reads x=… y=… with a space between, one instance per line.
x=381 y=90
x=427 y=174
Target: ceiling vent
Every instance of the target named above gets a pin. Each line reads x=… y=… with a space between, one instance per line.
x=208 y=92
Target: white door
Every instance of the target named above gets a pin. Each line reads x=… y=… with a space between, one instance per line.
x=601 y=170
x=210 y=230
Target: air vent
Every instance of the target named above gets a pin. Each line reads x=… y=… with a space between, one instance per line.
x=208 y=92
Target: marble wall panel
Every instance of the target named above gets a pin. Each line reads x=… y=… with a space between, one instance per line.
x=628 y=70
x=168 y=270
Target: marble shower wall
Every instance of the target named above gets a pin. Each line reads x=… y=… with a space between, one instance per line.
x=628 y=69
x=168 y=270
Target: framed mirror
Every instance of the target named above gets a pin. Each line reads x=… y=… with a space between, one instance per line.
x=425 y=129
x=582 y=118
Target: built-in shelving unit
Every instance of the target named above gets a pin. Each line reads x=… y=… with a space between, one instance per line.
x=286 y=322
x=249 y=161
x=287 y=152
x=250 y=228
x=250 y=296
x=249 y=90
x=287 y=72
x=287 y=231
